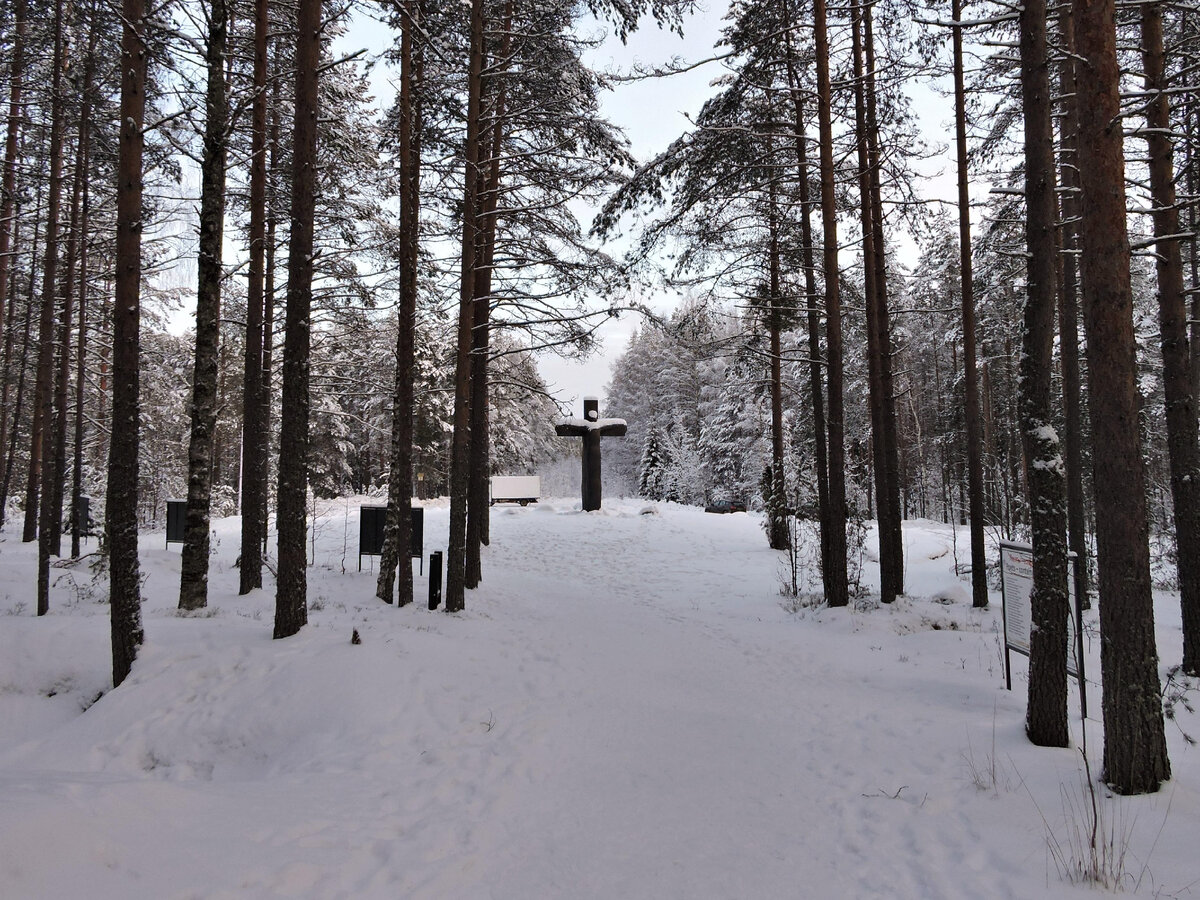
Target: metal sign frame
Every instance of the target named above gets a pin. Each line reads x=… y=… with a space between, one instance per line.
x=1016 y=571
x=370 y=533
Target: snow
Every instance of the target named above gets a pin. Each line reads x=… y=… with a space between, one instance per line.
x=627 y=708
x=588 y=424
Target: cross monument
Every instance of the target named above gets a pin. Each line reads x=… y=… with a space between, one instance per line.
x=591 y=428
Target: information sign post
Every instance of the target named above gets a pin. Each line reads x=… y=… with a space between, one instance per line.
x=1016 y=588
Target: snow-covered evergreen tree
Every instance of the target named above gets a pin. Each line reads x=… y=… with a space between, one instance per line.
x=733 y=436
x=684 y=480
x=653 y=466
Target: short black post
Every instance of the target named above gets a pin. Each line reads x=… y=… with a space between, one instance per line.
x=435 y=579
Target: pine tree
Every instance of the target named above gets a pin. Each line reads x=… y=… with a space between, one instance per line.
x=256 y=389
x=291 y=603
x=1046 y=719
x=1135 y=750
x=120 y=521
x=1182 y=446
x=193 y=567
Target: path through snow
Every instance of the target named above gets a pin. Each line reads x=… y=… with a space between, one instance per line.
x=625 y=710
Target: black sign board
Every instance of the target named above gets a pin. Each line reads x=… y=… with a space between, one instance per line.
x=416 y=541
x=372 y=524
x=176 y=521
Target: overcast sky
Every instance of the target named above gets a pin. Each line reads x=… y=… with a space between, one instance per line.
x=652 y=113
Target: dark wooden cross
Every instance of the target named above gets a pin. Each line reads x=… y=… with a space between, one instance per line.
x=591 y=428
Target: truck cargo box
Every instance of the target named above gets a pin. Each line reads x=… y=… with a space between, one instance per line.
x=523 y=489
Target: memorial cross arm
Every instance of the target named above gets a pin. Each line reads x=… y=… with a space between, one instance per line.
x=571 y=427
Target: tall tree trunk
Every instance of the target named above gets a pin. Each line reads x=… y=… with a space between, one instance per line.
x=1135 y=749
x=193 y=565
x=460 y=446
x=8 y=198
x=1193 y=186
x=1046 y=715
x=291 y=601
x=76 y=245
x=62 y=378
x=871 y=290
x=103 y=414
x=23 y=370
x=275 y=174
x=80 y=362
x=397 y=538
x=19 y=400
x=815 y=379
x=837 y=588
x=478 y=506
x=1068 y=313
x=255 y=397
x=979 y=590
x=39 y=469
x=120 y=520
x=778 y=529
x=891 y=527
x=1173 y=323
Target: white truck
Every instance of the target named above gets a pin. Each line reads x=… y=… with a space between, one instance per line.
x=523 y=489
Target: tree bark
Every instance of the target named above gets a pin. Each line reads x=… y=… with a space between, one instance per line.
x=1173 y=330
x=255 y=399
x=41 y=474
x=62 y=380
x=291 y=601
x=120 y=520
x=891 y=527
x=979 y=590
x=80 y=363
x=23 y=368
x=193 y=565
x=836 y=585
x=871 y=291
x=460 y=446
x=76 y=257
x=478 y=505
x=1135 y=750
x=1046 y=714
x=778 y=528
x=1068 y=314
x=8 y=198
x=274 y=177
x=815 y=379
x=398 y=533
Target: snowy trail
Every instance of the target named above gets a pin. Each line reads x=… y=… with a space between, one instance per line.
x=625 y=710
x=678 y=719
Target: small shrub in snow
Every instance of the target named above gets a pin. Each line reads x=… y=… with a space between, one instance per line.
x=795 y=603
x=856 y=542
x=988 y=774
x=1092 y=846
x=1095 y=837
x=1175 y=696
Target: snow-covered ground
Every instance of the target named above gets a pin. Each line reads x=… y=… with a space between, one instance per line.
x=628 y=708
